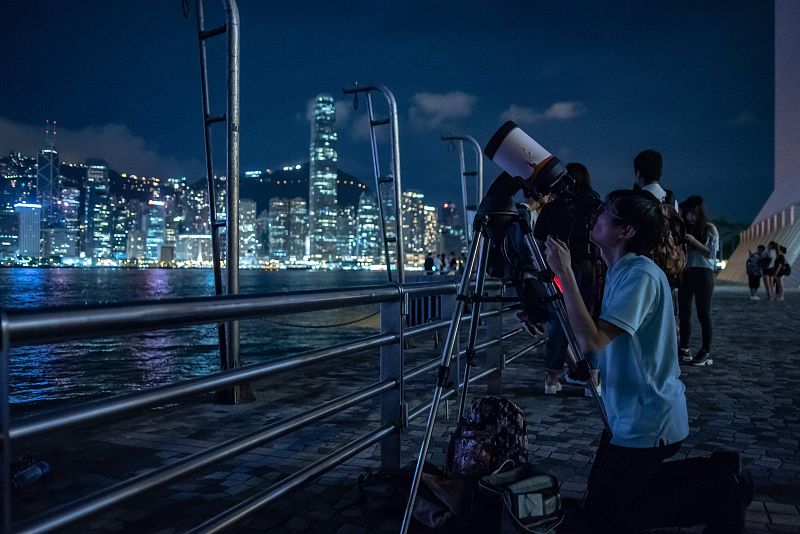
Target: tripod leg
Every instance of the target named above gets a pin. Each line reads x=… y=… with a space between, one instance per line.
x=557 y=307
x=443 y=372
x=473 y=325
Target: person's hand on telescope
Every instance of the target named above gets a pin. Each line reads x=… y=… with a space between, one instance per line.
x=558 y=257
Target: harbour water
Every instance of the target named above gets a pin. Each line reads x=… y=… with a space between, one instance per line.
x=58 y=375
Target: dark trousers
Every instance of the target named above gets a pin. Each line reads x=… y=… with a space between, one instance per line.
x=635 y=489
x=697 y=285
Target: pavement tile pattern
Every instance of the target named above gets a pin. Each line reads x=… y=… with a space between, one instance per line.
x=748 y=400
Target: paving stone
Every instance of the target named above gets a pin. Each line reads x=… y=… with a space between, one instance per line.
x=776 y=508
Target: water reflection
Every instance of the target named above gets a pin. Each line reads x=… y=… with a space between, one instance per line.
x=68 y=373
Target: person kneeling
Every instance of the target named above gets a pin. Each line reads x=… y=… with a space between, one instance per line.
x=630 y=487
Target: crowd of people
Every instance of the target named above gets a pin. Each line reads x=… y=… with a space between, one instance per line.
x=767 y=263
x=444 y=264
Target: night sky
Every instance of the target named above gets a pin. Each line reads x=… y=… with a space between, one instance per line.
x=594 y=82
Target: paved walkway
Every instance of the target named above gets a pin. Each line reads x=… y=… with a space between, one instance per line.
x=747 y=400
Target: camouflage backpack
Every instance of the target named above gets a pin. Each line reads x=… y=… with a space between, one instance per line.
x=492 y=432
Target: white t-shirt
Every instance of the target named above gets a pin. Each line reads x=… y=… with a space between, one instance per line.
x=643 y=394
x=657 y=191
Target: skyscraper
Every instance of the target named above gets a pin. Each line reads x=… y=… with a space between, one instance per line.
x=432 y=238
x=48 y=182
x=322 y=179
x=155 y=229
x=278 y=228
x=298 y=228
x=347 y=225
x=97 y=213
x=30 y=216
x=248 y=243
x=414 y=227
x=368 y=244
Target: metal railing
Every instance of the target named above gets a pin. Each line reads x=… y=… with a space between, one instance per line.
x=42 y=326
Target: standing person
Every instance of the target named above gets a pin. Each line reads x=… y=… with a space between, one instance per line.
x=754 y=270
x=647 y=167
x=702 y=240
x=437 y=264
x=781 y=270
x=568 y=220
x=451 y=262
x=445 y=266
x=429 y=263
x=630 y=487
x=769 y=267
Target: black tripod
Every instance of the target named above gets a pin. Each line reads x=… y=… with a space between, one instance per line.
x=494 y=218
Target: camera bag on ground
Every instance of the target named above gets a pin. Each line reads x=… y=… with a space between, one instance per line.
x=517 y=499
x=492 y=431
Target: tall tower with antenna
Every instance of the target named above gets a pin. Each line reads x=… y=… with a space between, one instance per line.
x=48 y=177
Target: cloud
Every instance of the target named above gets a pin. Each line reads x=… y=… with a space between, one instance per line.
x=745 y=118
x=557 y=111
x=432 y=110
x=115 y=143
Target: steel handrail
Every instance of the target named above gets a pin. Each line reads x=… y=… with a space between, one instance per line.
x=118 y=405
x=279 y=489
x=75 y=510
x=19 y=326
x=46 y=325
x=422 y=408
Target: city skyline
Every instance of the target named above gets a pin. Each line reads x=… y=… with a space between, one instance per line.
x=103 y=218
x=693 y=81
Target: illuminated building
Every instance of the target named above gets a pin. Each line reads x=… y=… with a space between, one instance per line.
x=155 y=229
x=29 y=237
x=322 y=180
x=97 y=220
x=414 y=227
x=368 y=240
x=431 y=240
x=248 y=243
x=346 y=233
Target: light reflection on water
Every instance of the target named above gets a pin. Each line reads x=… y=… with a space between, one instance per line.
x=44 y=377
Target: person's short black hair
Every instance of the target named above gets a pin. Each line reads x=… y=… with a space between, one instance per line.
x=761 y=247
x=648 y=164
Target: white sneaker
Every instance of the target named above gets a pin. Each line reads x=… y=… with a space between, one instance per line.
x=573 y=381
x=552 y=390
x=755 y=297
x=588 y=392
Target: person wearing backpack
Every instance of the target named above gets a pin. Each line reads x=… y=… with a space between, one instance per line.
x=568 y=219
x=647 y=167
x=702 y=239
x=753 y=266
x=630 y=486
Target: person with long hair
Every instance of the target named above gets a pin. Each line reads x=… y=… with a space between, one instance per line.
x=702 y=241
x=780 y=270
x=770 y=266
x=630 y=487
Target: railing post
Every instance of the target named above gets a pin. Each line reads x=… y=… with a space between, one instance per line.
x=5 y=423
x=392 y=406
x=494 y=354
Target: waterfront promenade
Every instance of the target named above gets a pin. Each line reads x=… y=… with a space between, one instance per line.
x=748 y=400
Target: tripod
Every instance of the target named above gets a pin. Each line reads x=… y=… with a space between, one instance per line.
x=495 y=215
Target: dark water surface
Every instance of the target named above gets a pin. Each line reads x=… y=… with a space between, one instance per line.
x=49 y=376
